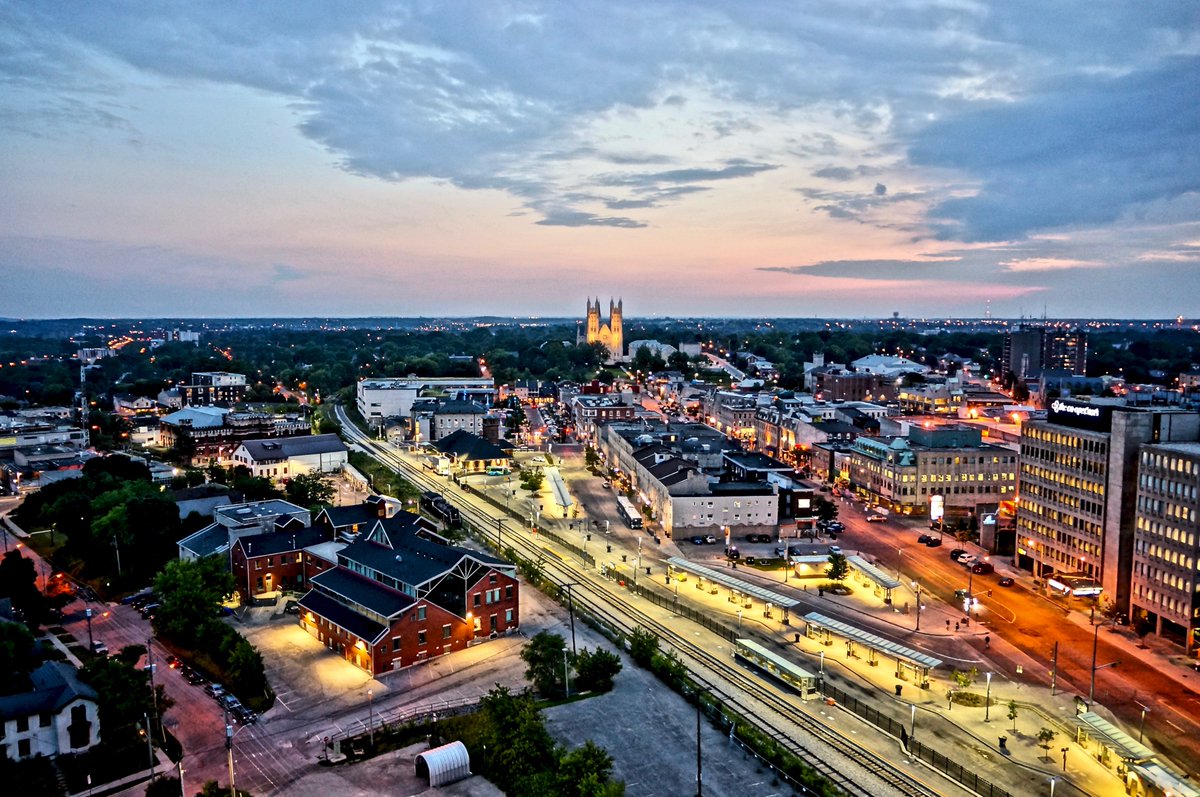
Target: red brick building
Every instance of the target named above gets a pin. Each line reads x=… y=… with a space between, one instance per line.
x=398 y=595
x=274 y=561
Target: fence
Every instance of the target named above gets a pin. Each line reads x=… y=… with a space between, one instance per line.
x=896 y=728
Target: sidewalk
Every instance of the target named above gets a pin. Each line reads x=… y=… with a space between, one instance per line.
x=969 y=734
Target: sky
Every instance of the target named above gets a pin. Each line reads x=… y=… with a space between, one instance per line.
x=846 y=158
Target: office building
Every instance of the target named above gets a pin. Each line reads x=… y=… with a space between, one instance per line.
x=1165 y=587
x=1078 y=483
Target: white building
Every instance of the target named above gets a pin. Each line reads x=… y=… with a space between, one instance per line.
x=282 y=458
x=378 y=399
x=885 y=365
x=58 y=714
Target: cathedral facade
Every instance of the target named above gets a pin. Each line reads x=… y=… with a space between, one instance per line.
x=612 y=334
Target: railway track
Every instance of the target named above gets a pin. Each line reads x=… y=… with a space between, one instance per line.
x=775 y=714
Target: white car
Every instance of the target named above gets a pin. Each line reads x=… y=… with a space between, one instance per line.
x=835 y=549
x=968 y=559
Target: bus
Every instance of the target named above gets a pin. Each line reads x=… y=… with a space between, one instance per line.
x=629 y=513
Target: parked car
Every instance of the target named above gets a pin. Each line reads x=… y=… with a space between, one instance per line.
x=835 y=549
x=710 y=539
x=137 y=596
x=983 y=568
x=733 y=553
x=148 y=609
x=1007 y=581
x=215 y=691
x=933 y=542
x=174 y=663
x=697 y=540
x=99 y=648
x=291 y=607
x=924 y=538
x=968 y=559
x=957 y=552
x=876 y=518
x=780 y=550
x=607 y=485
x=193 y=677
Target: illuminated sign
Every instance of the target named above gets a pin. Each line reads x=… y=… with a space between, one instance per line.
x=1076 y=409
x=937 y=507
x=1081 y=415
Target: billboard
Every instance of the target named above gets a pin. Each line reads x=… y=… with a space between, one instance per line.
x=1080 y=415
x=937 y=507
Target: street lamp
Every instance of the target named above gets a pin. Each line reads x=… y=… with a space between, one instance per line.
x=1052 y=782
x=912 y=725
x=371 y=716
x=1142 y=723
x=987 y=701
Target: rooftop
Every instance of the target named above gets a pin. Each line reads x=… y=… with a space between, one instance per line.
x=286 y=447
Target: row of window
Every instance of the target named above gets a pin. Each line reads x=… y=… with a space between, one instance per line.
x=1166 y=509
x=1168 y=532
x=1084 y=444
x=1187 y=467
x=1167 y=604
x=1059 y=479
x=1171 y=487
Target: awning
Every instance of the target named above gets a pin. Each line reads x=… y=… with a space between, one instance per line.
x=1166 y=781
x=1113 y=737
x=744 y=587
x=873 y=641
x=874 y=573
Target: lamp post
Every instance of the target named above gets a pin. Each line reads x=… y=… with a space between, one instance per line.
x=1095 y=667
x=1052 y=782
x=1142 y=723
x=566 y=674
x=918 y=628
x=371 y=716
x=912 y=725
x=1064 y=752
x=92 y=642
x=987 y=701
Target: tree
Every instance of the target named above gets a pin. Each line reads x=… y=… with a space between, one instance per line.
x=839 y=567
x=163 y=786
x=643 y=646
x=590 y=457
x=124 y=699
x=1045 y=736
x=964 y=678
x=595 y=670
x=190 y=592
x=16 y=652
x=516 y=739
x=311 y=490
x=212 y=789
x=544 y=659
x=825 y=509
x=1142 y=625
x=586 y=771
x=18 y=582
x=531 y=480
x=1012 y=713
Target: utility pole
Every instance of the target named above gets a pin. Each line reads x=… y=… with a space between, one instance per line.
x=149 y=745
x=153 y=694
x=229 y=749
x=1054 y=669
x=918 y=606
x=571 y=611
x=91 y=642
x=699 y=765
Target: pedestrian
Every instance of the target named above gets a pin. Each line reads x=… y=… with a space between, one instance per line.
x=947 y=625
x=956 y=626
x=987 y=640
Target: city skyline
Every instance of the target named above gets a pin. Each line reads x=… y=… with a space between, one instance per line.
x=937 y=159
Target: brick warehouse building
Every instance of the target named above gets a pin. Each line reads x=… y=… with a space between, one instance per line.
x=399 y=595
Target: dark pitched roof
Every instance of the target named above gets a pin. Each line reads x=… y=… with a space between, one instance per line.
x=207 y=541
x=465 y=445
x=342 y=516
x=342 y=616
x=284 y=447
x=458 y=407
x=410 y=559
x=52 y=686
x=275 y=542
x=363 y=591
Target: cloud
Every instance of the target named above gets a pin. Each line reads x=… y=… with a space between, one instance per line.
x=579 y=218
x=1078 y=153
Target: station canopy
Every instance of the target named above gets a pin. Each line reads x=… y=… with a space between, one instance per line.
x=873 y=641
x=744 y=587
x=874 y=573
x=1113 y=737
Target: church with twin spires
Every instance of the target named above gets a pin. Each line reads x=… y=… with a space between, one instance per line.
x=612 y=334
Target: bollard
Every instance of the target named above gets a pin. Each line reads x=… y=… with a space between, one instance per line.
x=899 y=689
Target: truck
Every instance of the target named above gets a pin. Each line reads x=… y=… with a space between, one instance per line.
x=438 y=464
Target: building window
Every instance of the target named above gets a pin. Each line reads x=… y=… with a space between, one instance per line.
x=44 y=719
x=446 y=631
x=420 y=637
x=22 y=748
x=22 y=724
x=508 y=592
x=508 y=615
x=270 y=561
x=420 y=612
x=396 y=643
x=475 y=600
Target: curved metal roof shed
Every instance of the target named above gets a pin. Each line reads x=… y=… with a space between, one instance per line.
x=445 y=764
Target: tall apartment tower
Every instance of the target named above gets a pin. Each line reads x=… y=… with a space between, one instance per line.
x=611 y=334
x=1165 y=587
x=1078 y=487
x=1029 y=351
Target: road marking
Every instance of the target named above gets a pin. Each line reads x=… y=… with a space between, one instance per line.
x=1176 y=727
